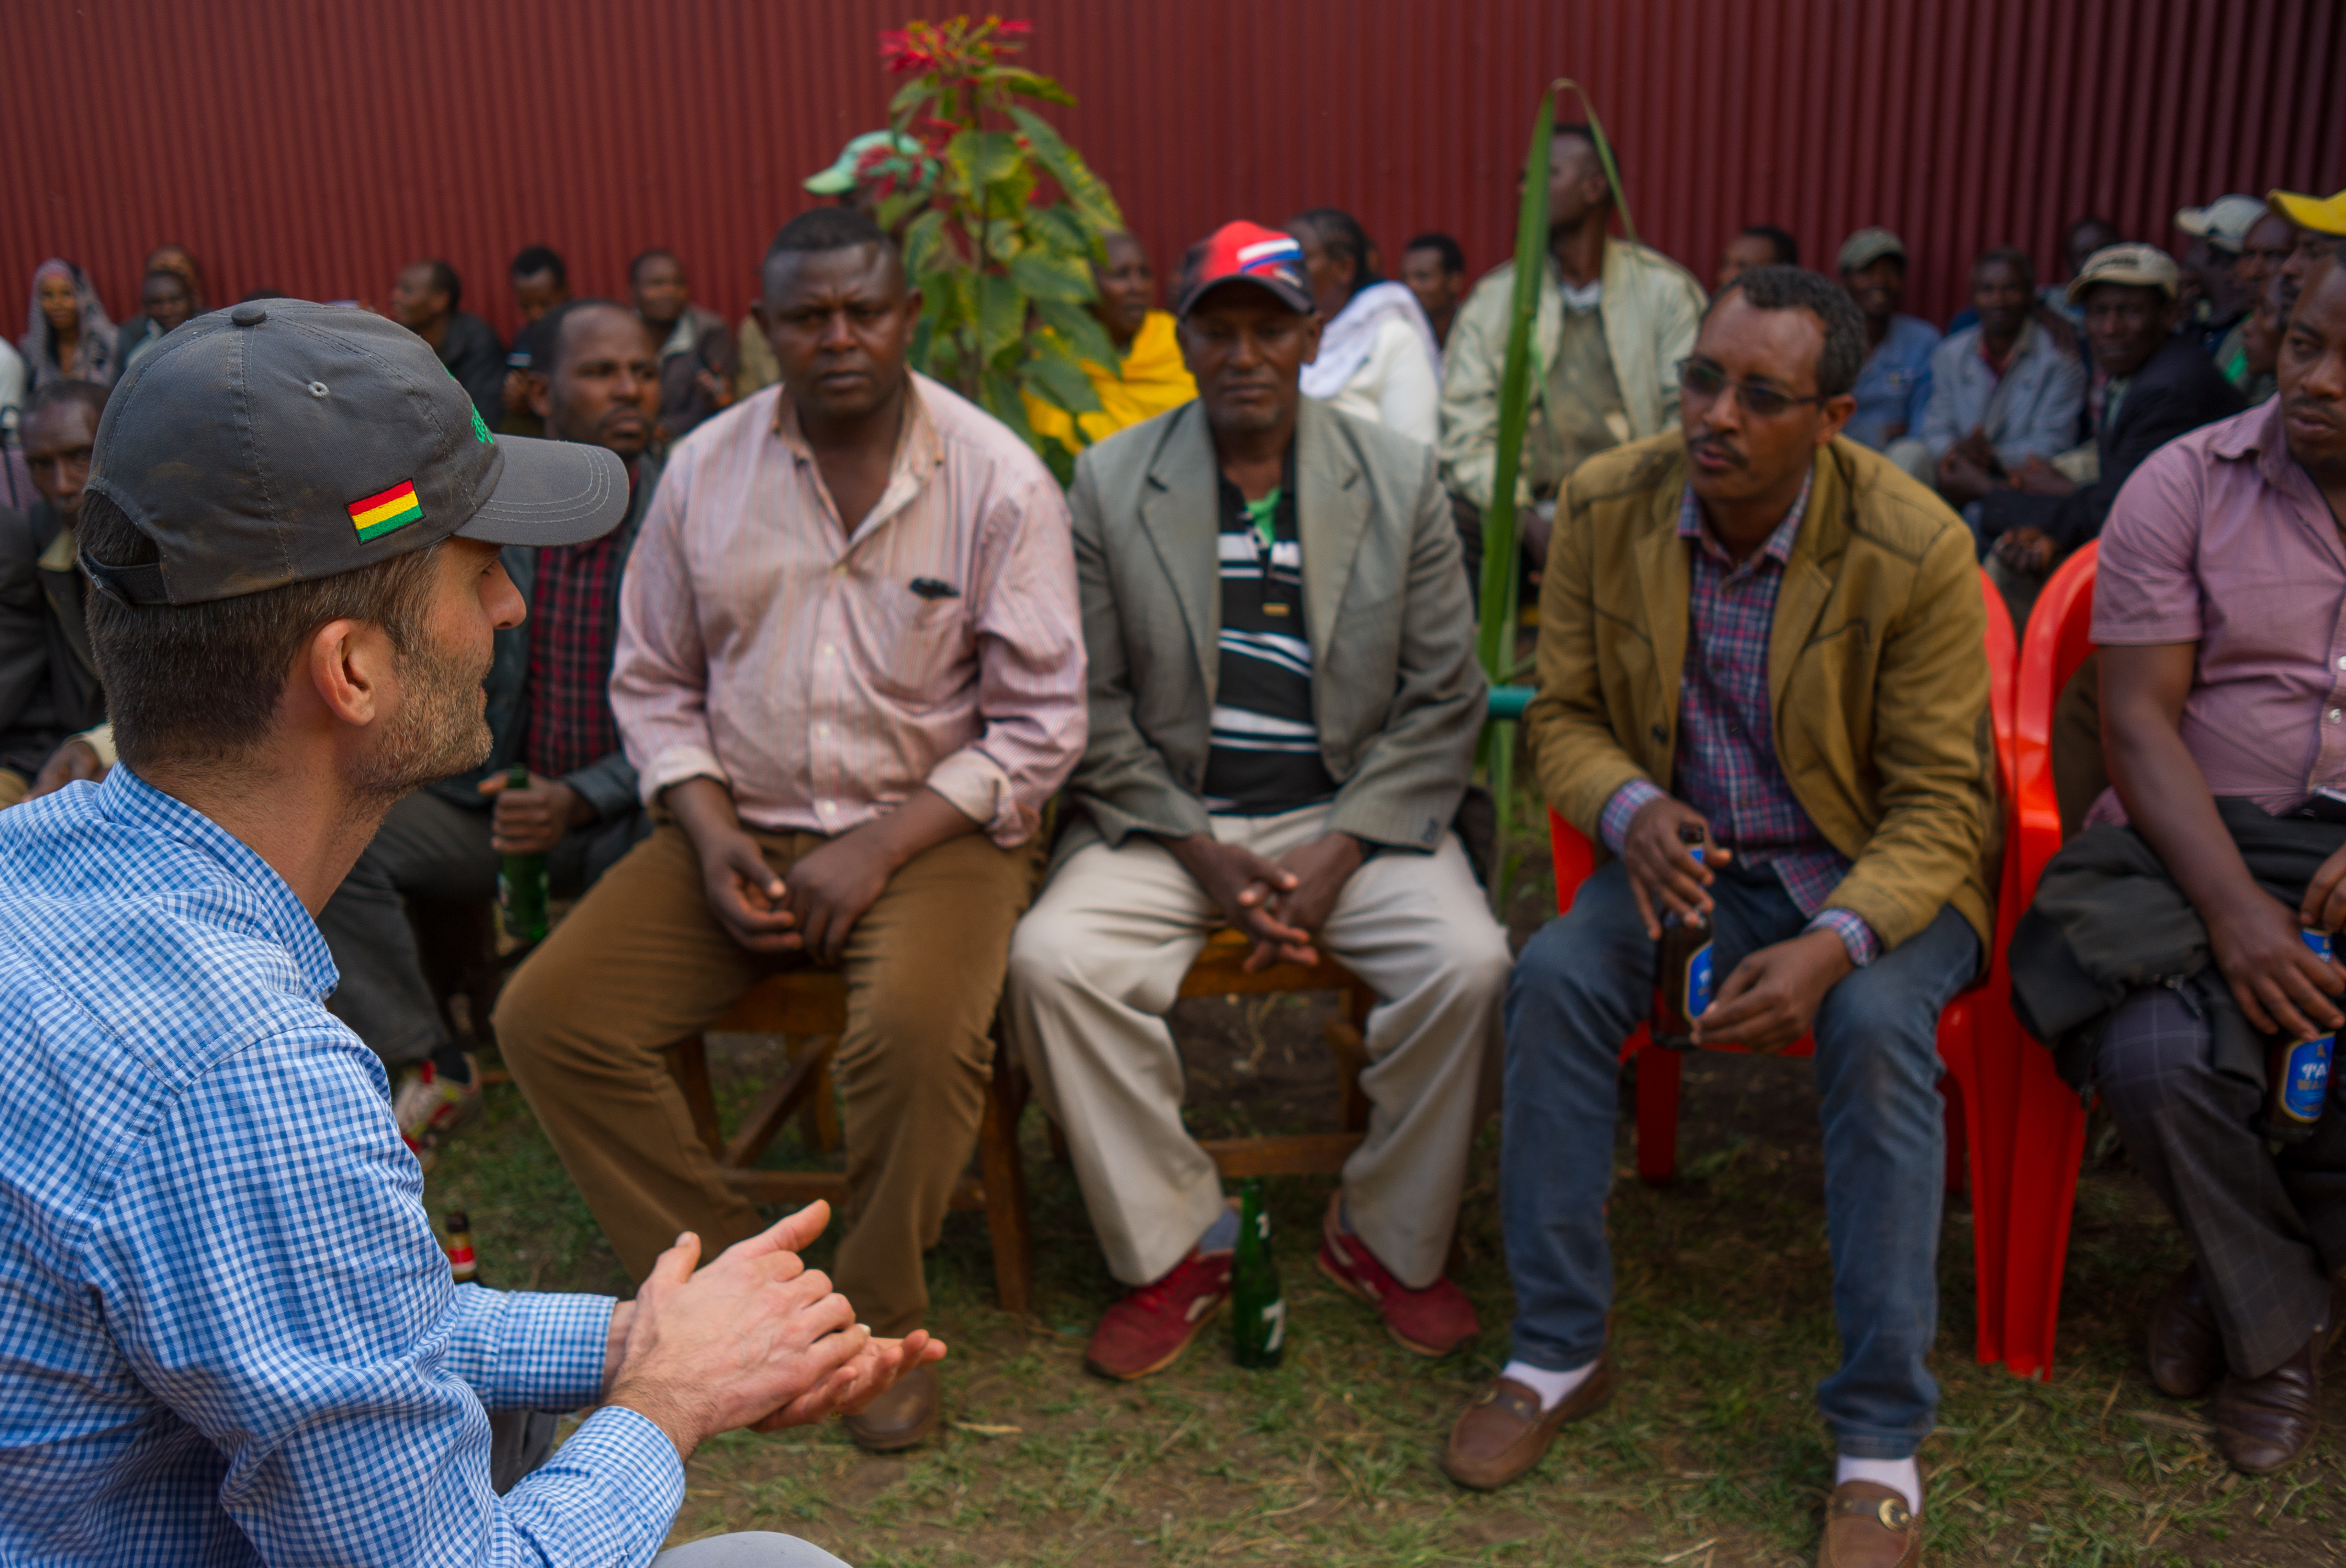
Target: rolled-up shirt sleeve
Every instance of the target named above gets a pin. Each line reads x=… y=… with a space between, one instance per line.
x=1030 y=696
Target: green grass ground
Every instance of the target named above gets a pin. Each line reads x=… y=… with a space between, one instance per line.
x=1710 y=1456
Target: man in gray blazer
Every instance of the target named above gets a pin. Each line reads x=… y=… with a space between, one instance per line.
x=1284 y=705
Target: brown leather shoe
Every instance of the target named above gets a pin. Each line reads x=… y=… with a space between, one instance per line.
x=1503 y=1434
x=903 y=1416
x=1868 y=1525
x=2262 y=1424
x=2186 y=1353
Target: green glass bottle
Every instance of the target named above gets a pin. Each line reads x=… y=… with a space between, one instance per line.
x=1258 y=1333
x=521 y=882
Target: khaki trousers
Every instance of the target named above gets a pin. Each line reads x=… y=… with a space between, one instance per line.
x=641 y=964
x=1099 y=959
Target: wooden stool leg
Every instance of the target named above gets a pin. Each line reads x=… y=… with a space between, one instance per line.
x=1351 y=1054
x=819 y=1115
x=1006 y=1187
x=689 y=1060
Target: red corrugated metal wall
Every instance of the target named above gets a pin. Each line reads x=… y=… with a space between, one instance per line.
x=313 y=147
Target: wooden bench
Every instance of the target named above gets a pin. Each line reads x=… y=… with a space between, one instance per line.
x=809 y=1008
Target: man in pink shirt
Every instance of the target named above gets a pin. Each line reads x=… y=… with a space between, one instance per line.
x=2220 y=610
x=849 y=674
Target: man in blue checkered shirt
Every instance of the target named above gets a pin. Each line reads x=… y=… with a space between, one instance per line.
x=226 y=1334
x=1758 y=633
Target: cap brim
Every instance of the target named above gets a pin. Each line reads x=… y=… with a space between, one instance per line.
x=831 y=182
x=2323 y=214
x=551 y=492
x=1295 y=299
x=2077 y=286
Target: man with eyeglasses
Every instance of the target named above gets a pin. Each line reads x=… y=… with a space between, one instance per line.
x=1758 y=630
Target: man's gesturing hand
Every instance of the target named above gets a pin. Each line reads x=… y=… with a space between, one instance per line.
x=1663 y=874
x=1773 y=995
x=755 y=1336
x=1242 y=885
x=2274 y=976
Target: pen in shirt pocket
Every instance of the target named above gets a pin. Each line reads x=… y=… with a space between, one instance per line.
x=931 y=588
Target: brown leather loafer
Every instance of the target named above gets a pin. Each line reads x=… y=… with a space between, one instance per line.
x=1503 y=1434
x=2186 y=1353
x=1868 y=1525
x=2262 y=1424
x=903 y=1416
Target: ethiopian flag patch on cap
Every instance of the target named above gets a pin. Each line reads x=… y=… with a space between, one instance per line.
x=379 y=514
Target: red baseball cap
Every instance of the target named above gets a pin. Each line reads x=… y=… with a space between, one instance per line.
x=1269 y=256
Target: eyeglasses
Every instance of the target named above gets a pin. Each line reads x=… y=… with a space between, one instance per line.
x=1701 y=381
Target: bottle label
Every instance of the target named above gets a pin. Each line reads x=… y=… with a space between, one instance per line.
x=1697 y=983
x=2305 y=1078
x=1274 y=1318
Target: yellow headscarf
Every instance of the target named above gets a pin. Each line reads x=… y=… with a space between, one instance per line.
x=1150 y=379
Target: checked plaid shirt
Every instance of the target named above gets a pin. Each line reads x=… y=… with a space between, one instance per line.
x=571 y=636
x=1727 y=766
x=226 y=1334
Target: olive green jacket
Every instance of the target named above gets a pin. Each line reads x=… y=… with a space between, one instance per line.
x=1651 y=308
x=1877 y=672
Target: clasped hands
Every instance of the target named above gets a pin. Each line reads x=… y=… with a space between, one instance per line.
x=1772 y=996
x=755 y=1340
x=1279 y=905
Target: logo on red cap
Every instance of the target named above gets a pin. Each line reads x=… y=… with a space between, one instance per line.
x=1264 y=256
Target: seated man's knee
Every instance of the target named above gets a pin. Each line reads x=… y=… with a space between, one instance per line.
x=2153 y=1044
x=1047 y=953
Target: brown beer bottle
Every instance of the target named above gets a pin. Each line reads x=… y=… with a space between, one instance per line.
x=1682 y=965
x=459 y=1246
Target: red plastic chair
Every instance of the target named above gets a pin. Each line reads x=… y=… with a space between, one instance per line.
x=2046 y=1124
x=1967 y=1133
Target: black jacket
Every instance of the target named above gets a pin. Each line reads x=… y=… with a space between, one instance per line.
x=2107 y=920
x=475 y=357
x=48 y=682
x=2178 y=389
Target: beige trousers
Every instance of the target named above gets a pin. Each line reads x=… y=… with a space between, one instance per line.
x=641 y=962
x=1099 y=959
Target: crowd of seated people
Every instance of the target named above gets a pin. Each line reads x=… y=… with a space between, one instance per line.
x=845 y=676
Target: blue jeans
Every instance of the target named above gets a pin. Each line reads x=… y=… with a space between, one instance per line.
x=1582 y=983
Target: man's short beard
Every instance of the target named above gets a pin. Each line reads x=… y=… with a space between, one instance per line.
x=437 y=732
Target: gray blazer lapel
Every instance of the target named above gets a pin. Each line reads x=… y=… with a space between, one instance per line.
x=1177 y=508
x=1331 y=514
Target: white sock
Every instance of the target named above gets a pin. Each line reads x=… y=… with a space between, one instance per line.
x=1551 y=1387
x=1903 y=1475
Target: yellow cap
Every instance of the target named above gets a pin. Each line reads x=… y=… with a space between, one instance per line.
x=2323 y=215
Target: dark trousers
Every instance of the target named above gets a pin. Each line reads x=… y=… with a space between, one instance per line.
x=1582 y=983
x=431 y=848
x=2266 y=1228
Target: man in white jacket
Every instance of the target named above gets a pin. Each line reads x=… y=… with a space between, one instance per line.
x=1614 y=319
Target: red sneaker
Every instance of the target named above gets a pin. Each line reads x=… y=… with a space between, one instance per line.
x=1148 y=1330
x=1434 y=1322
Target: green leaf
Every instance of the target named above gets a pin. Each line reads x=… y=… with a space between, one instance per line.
x=984 y=157
x=1059 y=229
x=1092 y=202
x=999 y=396
x=1047 y=277
x=1079 y=330
x=1053 y=374
x=1500 y=575
x=1001 y=314
x=1007 y=198
x=926 y=249
x=1033 y=85
x=919 y=90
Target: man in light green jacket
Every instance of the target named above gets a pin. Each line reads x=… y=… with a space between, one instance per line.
x=1614 y=319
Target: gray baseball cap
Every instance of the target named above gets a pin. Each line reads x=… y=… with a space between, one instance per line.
x=281 y=441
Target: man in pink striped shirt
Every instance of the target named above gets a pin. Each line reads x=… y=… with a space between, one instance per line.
x=850 y=673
